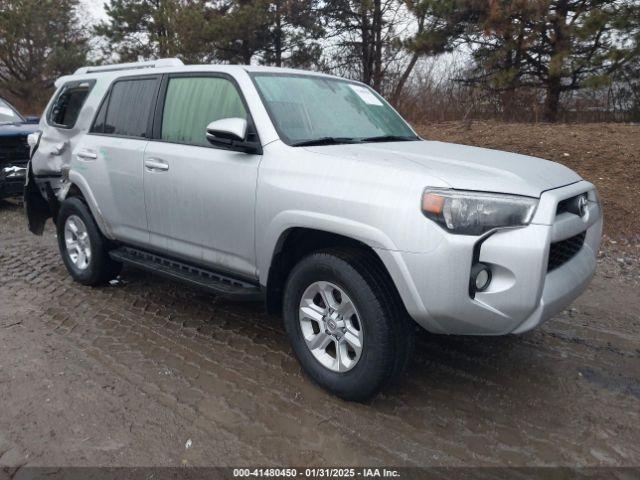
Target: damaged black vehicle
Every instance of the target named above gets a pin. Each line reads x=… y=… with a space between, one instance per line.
x=14 y=149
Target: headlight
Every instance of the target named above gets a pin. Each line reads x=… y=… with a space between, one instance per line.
x=474 y=213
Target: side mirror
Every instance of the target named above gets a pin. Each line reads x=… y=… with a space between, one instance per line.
x=231 y=134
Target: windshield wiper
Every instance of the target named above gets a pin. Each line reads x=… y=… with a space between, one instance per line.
x=324 y=141
x=390 y=138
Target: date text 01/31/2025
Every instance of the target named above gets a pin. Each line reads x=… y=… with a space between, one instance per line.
x=316 y=473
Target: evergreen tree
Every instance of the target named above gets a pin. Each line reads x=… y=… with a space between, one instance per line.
x=280 y=32
x=556 y=45
x=294 y=31
x=439 y=27
x=364 y=38
x=40 y=40
x=146 y=29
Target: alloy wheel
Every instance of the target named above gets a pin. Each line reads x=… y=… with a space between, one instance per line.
x=331 y=326
x=77 y=241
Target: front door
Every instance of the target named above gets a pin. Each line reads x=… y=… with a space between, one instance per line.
x=200 y=200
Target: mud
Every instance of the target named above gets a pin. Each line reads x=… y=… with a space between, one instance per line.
x=150 y=372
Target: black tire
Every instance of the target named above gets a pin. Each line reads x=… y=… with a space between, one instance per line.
x=388 y=339
x=101 y=268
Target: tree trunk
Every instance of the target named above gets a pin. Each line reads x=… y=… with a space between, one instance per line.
x=367 y=70
x=552 y=100
x=377 y=45
x=397 y=92
x=508 y=104
x=560 y=50
x=246 y=56
x=278 y=36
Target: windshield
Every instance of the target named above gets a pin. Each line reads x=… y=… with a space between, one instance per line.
x=8 y=114
x=308 y=109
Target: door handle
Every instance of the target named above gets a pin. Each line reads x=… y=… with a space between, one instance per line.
x=87 y=155
x=156 y=165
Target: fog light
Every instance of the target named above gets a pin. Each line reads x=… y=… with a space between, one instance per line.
x=480 y=277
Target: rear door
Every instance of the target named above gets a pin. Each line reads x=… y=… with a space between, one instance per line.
x=59 y=136
x=110 y=157
x=200 y=199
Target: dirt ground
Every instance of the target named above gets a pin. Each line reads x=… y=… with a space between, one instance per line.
x=150 y=372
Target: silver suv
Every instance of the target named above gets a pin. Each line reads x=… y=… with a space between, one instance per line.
x=310 y=192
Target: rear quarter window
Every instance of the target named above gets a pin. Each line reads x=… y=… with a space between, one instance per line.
x=68 y=104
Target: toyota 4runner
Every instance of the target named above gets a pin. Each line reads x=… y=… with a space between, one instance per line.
x=310 y=192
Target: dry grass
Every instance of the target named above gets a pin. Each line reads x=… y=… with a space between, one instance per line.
x=607 y=155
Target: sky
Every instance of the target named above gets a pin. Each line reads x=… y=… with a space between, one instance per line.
x=94 y=9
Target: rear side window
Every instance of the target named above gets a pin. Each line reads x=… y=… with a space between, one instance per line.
x=126 y=109
x=67 y=106
x=192 y=103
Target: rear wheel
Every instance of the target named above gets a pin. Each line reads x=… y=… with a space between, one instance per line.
x=83 y=248
x=346 y=323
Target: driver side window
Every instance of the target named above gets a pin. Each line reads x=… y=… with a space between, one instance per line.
x=191 y=103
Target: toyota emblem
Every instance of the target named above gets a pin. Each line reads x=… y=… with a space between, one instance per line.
x=582 y=205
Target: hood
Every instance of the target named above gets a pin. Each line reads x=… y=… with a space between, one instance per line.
x=17 y=129
x=463 y=167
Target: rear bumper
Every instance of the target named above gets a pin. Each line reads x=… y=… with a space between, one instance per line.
x=523 y=293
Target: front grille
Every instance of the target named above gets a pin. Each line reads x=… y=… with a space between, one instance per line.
x=561 y=252
x=13 y=148
x=571 y=205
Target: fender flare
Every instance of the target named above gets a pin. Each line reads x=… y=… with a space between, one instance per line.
x=267 y=245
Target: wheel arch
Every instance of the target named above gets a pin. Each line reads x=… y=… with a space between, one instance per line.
x=43 y=199
x=294 y=244
x=77 y=186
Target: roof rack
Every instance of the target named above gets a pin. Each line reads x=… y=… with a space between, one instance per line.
x=160 y=63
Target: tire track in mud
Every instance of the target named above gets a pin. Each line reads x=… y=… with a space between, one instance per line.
x=131 y=333
x=141 y=305
x=542 y=398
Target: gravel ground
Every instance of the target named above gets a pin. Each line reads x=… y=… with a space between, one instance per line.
x=150 y=372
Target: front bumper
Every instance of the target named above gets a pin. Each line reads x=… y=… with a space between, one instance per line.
x=523 y=293
x=12 y=178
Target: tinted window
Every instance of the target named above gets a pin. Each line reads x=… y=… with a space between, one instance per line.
x=66 y=108
x=127 y=108
x=192 y=103
x=101 y=117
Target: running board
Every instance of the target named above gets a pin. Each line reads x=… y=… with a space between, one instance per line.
x=206 y=279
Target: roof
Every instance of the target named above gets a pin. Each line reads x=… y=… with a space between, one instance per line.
x=168 y=65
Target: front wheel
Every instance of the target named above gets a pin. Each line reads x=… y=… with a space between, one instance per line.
x=346 y=323
x=83 y=248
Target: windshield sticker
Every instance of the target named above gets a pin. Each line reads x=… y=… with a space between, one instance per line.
x=366 y=95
